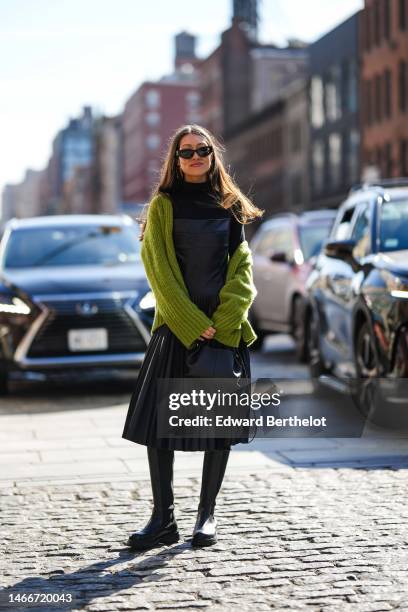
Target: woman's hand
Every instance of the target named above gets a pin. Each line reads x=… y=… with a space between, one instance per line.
x=208 y=334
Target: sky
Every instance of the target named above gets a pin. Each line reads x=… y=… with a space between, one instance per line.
x=58 y=55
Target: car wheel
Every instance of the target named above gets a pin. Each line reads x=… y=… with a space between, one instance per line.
x=367 y=370
x=299 y=333
x=316 y=365
x=4 y=383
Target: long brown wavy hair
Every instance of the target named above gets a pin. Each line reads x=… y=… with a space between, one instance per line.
x=224 y=186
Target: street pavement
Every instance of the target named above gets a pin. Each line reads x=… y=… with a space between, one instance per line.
x=304 y=523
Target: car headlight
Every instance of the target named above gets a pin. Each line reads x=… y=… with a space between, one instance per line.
x=400 y=293
x=148 y=301
x=398 y=287
x=12 y=304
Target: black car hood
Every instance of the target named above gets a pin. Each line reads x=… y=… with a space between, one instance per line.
x=394 y=261
x=77 y=279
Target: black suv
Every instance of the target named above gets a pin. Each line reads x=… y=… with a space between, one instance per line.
x=357 y=314
x=74 y=298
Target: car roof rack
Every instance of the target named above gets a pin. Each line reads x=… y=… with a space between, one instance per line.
x=380 y=184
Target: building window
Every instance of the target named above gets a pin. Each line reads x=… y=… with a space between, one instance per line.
x=153 y=141
x=193 y=117
x=192 y=100
x=152 y=98
x=295 y=137
x=387 y=93
x=153 y=170
x=318 y=165
x=377 y=98
x=404 y=157
x=388 y=160
x=369 y=102
x=296 y=189
x=335 y=159
x=402 y=14
x=153 y=118
x=277 y=147
x=333 y=93
x=352 y=85
x=387 y=18
x=353 y=157
x=377 y=22
x=379 y=160
x=367 y=27
x=317 y=102
x=402 y=85
x=367 y=157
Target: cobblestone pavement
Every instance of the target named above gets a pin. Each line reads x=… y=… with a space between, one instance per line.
x=291 y=538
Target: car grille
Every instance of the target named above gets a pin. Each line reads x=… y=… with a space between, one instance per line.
x=52 y=338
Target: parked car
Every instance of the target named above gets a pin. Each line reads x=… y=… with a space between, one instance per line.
x=357 y=315
x=74 y=298
x=284 y=248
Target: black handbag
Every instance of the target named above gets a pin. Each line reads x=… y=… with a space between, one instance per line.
x=211 y=359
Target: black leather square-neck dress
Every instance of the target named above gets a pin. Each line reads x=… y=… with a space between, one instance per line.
x=204 y=233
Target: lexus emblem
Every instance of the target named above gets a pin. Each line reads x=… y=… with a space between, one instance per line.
x=86 y=309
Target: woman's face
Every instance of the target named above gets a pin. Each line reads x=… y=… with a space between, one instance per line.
x=196 y=168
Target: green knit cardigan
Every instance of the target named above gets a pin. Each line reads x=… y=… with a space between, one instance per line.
x=173 y=303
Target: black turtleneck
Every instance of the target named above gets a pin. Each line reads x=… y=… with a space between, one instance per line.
x=198 y=201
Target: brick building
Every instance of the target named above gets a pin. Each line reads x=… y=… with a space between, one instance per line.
x=107 y=176
x=296 y=138
x=269 y=154
x=334 y=114
x=384 y=87
x=212 y=92
x=150 y=116
x=23 y=199
x=256 y=153
x=242 y=77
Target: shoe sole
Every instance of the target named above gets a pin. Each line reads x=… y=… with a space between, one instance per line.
x=170 y=538
x=201 y=542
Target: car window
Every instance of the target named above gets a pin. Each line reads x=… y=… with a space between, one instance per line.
x=361 y=231
x=72 y=246
x=265 y=244
x=311 y=237
x=277 y=238
x=284 y=241
x=342 y=227
x=394 y=225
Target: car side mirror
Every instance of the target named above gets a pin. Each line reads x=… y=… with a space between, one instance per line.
x=343 y=249
x=339 y=249
x=279 y=256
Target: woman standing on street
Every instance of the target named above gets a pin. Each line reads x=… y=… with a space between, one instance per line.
x=199 y=267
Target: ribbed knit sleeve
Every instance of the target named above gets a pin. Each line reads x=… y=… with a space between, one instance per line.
x=236 y=297
x=181 y=315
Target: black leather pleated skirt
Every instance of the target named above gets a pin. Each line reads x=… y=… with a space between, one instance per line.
x=165 y=358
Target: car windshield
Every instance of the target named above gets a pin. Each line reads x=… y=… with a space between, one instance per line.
x=75 y=245
x=311 y=237
x=394 y=225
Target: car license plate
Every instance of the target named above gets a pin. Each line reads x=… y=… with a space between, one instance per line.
x=88 y=339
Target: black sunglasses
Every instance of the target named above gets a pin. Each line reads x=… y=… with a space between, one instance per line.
x=203 y=151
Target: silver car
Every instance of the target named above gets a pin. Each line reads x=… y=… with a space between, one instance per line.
x=284 y=249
